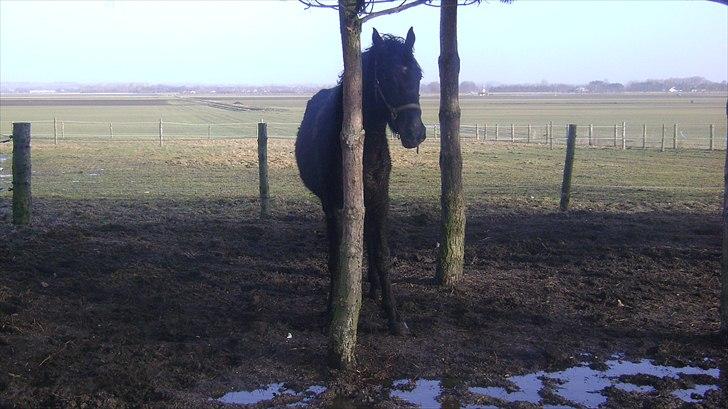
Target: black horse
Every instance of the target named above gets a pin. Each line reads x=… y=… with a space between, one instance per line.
x=391 y=84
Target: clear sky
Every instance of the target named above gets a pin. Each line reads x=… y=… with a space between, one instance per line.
x=247 y=42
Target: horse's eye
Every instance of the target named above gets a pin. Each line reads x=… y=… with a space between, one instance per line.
x=404 y=69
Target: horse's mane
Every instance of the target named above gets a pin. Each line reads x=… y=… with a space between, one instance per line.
x=390 y=44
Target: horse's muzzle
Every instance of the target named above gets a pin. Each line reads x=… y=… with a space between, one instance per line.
x=413 y=136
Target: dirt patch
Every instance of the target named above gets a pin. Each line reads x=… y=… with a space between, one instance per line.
x=113 y=303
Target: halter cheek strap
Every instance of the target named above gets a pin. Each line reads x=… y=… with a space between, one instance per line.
x=393 y=111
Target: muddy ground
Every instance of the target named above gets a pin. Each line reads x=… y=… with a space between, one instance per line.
x=158 y=303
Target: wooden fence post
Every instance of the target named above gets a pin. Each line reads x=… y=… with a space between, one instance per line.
x=63 y=130
x=566 y=130
x=55 y=131
x=644 y=136
x=712 y=135
x=662 y=142
x=513 y=133
x=568 y=168
x=674 y=136
x=21 y=173
x=161 y=133
x=435 y=130
x=111 y=131
x=591 y=134
x=528 y=138
x=615 y=135
x=485 y=132
x=263 y=168
x=209 y=131
x=551 y=135
x=624 y=135
x=496 y=132
x=477 y=136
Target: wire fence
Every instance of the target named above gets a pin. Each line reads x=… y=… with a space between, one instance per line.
x=623 y=135
x=620 y=135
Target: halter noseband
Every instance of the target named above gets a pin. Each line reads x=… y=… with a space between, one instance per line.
x=393 y=111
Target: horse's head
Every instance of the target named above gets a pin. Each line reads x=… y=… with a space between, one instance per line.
x=397 y=85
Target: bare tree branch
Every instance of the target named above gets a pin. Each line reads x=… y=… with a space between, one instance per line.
x=393 y=10
x=367 y=7
x=367 y=11
x=318 y=4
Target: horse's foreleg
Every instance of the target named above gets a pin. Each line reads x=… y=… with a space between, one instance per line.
x=373 y=268
x=333 y=235
x=375 y=228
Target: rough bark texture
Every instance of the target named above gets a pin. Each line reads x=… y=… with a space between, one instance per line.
x=347 y=288
x=452 y=201
x=263 y=169
x=21 y=173
x=724 y=264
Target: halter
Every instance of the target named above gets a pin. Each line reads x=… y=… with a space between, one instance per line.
x=393 y=111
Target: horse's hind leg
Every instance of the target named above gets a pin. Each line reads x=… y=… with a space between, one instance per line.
x=375 y=234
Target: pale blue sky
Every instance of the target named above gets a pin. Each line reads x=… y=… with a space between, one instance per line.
x=246 y=42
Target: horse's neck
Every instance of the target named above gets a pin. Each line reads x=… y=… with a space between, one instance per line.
x=375 y=126
x=375 y=113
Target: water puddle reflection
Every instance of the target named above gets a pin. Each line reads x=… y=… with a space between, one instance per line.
x=271 y=392
x=581 y=386
x=525 y=384
x=421 y=392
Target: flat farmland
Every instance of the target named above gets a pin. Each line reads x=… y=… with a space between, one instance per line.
x=191 y=117
x=147 y=278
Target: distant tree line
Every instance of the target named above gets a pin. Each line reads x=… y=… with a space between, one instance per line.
x=139 y=88
x=690 y=84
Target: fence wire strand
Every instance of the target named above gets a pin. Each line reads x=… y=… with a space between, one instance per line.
x=631 y=135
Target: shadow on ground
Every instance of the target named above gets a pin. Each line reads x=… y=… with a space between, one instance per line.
x=159 y=303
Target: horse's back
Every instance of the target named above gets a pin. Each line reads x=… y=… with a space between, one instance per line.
x=317 y=140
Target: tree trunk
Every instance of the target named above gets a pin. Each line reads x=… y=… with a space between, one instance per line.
x=452 y=201
x=22 y=173
x=347 y=291
x=724 y=264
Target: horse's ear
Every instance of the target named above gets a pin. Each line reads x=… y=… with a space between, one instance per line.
x=410 y=41
x=376 y=38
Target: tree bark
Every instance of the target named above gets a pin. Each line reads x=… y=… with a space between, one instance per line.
x=263 y=170
x=347 y=291
x=22 y=197
x=724 y=264
x=452 y=201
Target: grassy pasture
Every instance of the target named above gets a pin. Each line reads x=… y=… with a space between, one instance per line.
x=147 y=278
x=96 y=167
x=495 y=174
x=187 y=117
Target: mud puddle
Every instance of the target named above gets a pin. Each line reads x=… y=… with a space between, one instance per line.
x=273 y=391
x=583 y=385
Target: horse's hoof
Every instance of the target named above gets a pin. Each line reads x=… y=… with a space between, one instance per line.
x=399 y=328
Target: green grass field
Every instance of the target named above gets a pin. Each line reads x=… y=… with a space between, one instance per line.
x=147 y=276
x=137 y=117
x=495 y=173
